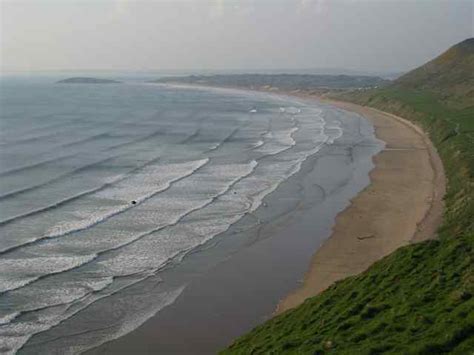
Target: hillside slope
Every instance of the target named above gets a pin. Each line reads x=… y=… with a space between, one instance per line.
x=450 y=75
x=418 y=300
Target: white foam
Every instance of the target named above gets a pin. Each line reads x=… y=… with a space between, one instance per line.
x=258 y=144
x=334 y=133
x=19 y=272
x=291 y=110
x=7 y=318
x=95 y=208
x=154 y=250
x=277 y=141
x=143 y=256
x=132 y=319
x=138 y=188
x=15 y=334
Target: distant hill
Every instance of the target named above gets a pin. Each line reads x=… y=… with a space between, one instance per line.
x=281 y=81
x=83 y=80
x=450 y=74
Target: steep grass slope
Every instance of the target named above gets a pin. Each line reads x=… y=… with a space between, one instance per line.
x=450 y=75
x=418 y=300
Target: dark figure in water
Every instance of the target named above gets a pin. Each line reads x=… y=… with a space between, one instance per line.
x=134 y=202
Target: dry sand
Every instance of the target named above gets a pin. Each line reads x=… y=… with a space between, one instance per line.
x=403 y=204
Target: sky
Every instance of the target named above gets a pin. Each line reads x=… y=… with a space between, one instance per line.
x=145 y=35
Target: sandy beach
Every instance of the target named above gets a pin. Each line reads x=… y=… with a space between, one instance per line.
x=399 y=202
x=403 y=204
x=243 y=273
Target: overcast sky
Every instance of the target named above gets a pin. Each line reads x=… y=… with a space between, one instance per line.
x=382 y=35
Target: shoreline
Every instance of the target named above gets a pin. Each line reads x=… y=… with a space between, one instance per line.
x=403 y=204
x=254 y=266
x=387 y=214
x=178 y=327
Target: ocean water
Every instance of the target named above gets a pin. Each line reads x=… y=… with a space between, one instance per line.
x=104 y=186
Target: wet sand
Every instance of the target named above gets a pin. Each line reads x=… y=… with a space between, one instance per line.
x=403 y=204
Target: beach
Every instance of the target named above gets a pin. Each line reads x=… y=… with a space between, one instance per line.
x=357 y=185
x=402 y=204
x=237 y=281
x=149 y=230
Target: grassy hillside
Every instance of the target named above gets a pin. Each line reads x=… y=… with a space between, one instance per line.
x=450 y=75
x=418 y=300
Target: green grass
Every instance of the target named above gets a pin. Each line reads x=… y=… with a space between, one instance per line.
x=418 y=300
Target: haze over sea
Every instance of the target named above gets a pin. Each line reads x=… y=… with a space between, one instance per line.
x=103 y=186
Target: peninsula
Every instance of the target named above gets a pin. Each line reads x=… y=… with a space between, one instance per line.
x=86 y=80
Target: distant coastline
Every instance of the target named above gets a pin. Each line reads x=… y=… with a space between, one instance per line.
x=87 y=80
x=280 y=82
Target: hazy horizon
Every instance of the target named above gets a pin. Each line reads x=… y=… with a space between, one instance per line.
x=249 y=35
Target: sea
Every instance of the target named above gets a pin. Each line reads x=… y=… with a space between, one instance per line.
x=103 y=187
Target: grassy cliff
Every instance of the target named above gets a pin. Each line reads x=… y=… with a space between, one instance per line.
x=418 y=300
x=449 y=75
